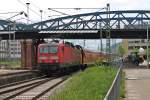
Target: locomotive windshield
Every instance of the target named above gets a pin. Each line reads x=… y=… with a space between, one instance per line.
x=48 y=49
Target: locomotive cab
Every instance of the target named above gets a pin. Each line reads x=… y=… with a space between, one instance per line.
x=48 y=57
x=48 y=54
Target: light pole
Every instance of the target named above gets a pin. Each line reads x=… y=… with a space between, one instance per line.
x=101 y=37
x=108 y=28
x=84 y=43
x=147 y=45
x=41 y=11
x=12 y=26
x=28 y=12
x=108 y=32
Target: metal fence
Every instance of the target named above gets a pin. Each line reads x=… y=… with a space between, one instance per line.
x=113 y=92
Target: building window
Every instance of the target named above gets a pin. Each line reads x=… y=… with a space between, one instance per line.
x=130 y=47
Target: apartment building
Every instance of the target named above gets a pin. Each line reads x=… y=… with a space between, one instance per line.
x=10 y=49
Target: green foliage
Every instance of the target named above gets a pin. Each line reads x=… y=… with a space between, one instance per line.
x=122 y=87
x=99 y=63
x=92 y=84
x=135 y=50
x=148 y=51
x=121 y=50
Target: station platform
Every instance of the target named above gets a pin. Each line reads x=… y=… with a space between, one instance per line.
x=137 y=83
x=9 y=72
x=12 y=76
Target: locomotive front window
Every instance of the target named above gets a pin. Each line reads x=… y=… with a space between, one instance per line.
x=48 y=49
x=52 y=49
x=44 y=50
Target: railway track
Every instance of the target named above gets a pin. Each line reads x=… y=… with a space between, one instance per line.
x=15 y=73
x=20 y=82
x=17 y=76
x=30 y=90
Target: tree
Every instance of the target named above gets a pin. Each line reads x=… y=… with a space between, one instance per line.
x=121 y=50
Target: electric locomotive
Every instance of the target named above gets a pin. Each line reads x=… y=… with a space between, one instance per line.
x=55 y=57
x=58 y=57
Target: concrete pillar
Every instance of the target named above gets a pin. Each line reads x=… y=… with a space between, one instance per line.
x=28 y=54
x=23 y=54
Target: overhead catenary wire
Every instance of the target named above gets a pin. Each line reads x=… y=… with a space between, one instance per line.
x=29 y=8
x=33 y=4
x=54 y=9
x=58 y=11
x=61 y=12
x=8 y=12
x=37 y=7
x=77 y=8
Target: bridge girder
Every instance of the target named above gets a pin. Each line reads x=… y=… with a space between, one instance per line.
x=130 y=19
x=9 y=25
x=118 y=19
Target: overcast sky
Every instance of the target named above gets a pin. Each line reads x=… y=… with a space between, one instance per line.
x=36 y=5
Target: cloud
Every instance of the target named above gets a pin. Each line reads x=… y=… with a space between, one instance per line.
x=14 y=5
x=130 y=4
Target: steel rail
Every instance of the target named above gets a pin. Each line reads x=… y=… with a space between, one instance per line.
x=20 y=82
x=48 y=89
x=16 y=88
x=29 y=88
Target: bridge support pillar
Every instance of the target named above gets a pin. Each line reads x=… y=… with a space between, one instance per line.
x=28 y=54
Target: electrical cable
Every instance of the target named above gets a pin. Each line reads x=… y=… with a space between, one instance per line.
x=29 y=8
x=9 y=12
x=33 y=4
x=58 y=11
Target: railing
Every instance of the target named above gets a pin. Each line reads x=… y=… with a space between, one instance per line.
x=113 y=92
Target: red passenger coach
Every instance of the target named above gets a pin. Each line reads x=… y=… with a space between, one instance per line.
x=55 y=57
x=92 y=56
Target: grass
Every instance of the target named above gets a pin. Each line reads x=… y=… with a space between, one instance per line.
x=122 y=87
x=92 y=84
x=11 y=64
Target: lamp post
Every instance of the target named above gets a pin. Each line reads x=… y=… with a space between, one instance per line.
x=28 y=12
x=108 y=32
x=101 y=37
x=41 y=11
x=108 y=27
x=12 y=26
x=147 y=45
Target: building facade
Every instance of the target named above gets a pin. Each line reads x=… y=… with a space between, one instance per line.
x=10 y=49
x=132 y=44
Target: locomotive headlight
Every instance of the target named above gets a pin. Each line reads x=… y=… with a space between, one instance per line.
x=54 y=57
x=42 y=57
x=56 y=61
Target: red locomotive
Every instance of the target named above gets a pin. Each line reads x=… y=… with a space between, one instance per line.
x=60 y=57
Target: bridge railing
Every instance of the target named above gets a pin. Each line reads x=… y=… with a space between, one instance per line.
x=114 y=90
